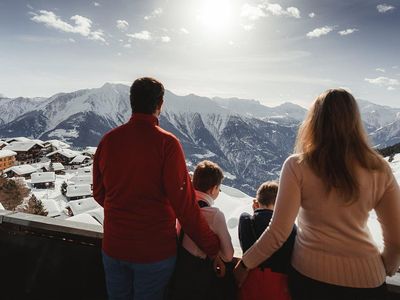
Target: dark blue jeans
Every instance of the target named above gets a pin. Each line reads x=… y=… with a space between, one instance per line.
x=127 y=280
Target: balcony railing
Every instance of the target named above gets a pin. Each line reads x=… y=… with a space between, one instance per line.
x=44 y=258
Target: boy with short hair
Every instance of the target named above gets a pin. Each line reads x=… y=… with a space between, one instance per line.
x=269 y=280
x=194 y=276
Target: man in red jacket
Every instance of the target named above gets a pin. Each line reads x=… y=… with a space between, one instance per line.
x=141 y=180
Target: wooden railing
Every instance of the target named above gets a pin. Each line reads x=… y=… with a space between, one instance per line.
x=45 y=258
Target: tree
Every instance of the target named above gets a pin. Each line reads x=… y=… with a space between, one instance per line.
x=12 y=192
x=64 y=186
x=35 y=206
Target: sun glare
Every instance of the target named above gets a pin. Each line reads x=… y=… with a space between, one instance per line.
x=215 y=15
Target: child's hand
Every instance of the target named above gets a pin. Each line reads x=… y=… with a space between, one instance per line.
x=240 y=273
x=219 y=267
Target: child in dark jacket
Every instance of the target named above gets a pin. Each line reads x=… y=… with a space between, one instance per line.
x=269 y=280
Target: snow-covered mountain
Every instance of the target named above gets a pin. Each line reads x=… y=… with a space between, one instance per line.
x=249 y=140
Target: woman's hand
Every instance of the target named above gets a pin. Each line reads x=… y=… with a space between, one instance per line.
x=240 y=272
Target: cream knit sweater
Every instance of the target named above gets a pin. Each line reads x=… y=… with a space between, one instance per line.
x=333 y=243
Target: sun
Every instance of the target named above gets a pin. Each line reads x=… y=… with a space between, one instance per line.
x=215 y=15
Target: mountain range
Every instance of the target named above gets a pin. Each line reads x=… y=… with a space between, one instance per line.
x=248 y=139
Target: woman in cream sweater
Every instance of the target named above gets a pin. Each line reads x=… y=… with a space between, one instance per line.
x=331 y=185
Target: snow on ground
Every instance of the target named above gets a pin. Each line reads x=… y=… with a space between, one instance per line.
x=53 y=194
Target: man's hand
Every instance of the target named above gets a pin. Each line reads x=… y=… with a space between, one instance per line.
x=219 y=267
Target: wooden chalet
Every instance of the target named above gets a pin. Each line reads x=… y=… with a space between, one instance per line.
x=76 y=192
x=20 y=171
x=7 y=159
x=63 y=156
x=43 y=180
x=28 y=152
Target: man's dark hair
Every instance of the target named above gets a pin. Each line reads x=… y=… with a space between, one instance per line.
x=267 y=192
x=207 y=175
x=146 y=94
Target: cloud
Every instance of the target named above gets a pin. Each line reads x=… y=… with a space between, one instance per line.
x=318 y=32
x=122 y=25
x=165 y=39
x=143 y=35
x=83 y=25
x=184 y=30
x=390 y=88
x=348 y=31
x=383 y=81
x=277 y=10
x=380 y=70
x=71 y=40
x=96 y=4
x=311 y=15
x=252 y=12
x=155 y=13
x=127 y=46
x=383 y=8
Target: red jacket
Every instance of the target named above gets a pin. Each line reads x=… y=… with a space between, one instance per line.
x=141 y=180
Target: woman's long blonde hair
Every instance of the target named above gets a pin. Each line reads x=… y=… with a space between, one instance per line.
x=332 y=140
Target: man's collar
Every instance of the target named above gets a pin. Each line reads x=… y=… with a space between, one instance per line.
x=151 y=119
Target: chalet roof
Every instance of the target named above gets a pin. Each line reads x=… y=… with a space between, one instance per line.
x=58 y=144
x=68 y=153
x=7 y=153
x=51 y=207
x=90 y=150
x=21 y=146
x=82 y=179
x=21 y=170
x=79 y=159
x=2 y=207
x=3 y=143
x=83 y=205
x=78 y=190
x=56 y=166
x=18 y=139
x=43 y=177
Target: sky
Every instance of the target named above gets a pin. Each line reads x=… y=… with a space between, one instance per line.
x=272 y=51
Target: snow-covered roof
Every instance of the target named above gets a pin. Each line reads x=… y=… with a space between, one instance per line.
x=21 y=146
x=82 y=179
x=43 y=177
x=2 y=207
x=56 y=166
x=40 y=142
x=84 y=218
x=51 y=207
x=79 y=159
x=65 y=152
x=78 y=190
x=58 y=144
x=18 y=139
x=22 y=169
x=90 y=150
x=7 y=153
x=83 y=205
x=3 y=143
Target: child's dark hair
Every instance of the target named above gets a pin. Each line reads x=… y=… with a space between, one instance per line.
x=207 y=175
x=267 y=192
